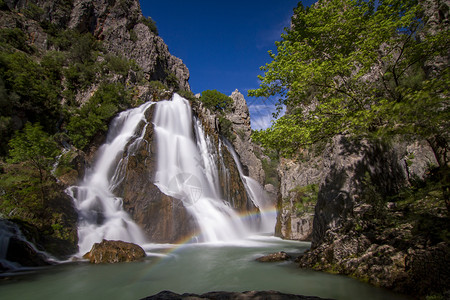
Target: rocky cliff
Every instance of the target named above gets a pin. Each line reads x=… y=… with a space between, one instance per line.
x=119 y=24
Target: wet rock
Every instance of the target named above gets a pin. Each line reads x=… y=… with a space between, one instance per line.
x=256 y=295
x=273 y=257
x=22 y=252
x=114 y=252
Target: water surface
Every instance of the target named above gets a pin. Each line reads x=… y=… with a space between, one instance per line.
x=195 y=268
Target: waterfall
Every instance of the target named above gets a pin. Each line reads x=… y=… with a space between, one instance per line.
x=100 y=212
x=187 y=170
x=257 y=194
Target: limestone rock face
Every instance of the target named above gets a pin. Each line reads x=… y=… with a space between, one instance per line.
x=120 y=28
x=240 y=117
x=339 y=171
x=114 y=252
x=117 y=23
x=293 y=223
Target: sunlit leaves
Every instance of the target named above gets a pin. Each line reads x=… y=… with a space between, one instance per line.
x=346 y=67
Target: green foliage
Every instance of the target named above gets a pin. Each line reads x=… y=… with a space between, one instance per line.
x=21 y=201
x=346 y=68
x=305 y=197
x=93 y=117
x=172 y=81
x=33 y=12
x=118 y=64
x=226 y=128
x=35 y=146
x=30 y=89
x=150 y=23
x=189 y=95
x=133 y=36
x=216 y=101
x=16 y=38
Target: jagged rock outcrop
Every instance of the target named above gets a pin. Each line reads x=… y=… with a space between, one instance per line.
x=240 y=118
x=114 y=252
x=119 y=24
x=344 y=164
x=257 y=295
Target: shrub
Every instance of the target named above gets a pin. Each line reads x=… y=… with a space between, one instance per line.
x=93 y=117
x=226 y=128
x=216 y=101
x=151 y=24
x=16 y=38
x=305 y=197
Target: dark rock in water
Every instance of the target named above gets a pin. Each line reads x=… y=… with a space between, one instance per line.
x=259 y=295
x=21 y=252
x=114 y=252
x=278 y=256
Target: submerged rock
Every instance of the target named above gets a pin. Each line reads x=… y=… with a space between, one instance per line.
x=260 y=295
x=114 y=252
x=278 y=256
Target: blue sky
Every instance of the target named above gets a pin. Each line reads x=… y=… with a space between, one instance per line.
x=223 y=43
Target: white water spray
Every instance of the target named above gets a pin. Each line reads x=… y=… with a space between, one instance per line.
x=100 y=212
x=187 y=170
x=257 y=194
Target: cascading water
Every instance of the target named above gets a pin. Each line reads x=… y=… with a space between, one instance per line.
x=187 y=171
x=100 y=212
x=257 y=195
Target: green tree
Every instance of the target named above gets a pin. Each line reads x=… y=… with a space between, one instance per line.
x=93 y=117
x=216 y=101
x=33 y=145
x=346 y=67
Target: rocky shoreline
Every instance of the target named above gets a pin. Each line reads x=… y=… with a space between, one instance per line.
x=256 y=295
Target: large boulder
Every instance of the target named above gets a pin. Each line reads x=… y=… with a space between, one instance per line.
x=114 y=252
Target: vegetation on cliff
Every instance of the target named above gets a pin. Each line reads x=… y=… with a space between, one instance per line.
x=348 y=67
x=377 y=73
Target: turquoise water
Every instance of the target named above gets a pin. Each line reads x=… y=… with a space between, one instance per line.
x=196 y=268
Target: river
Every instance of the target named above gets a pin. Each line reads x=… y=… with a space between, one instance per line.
x=194 y=268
